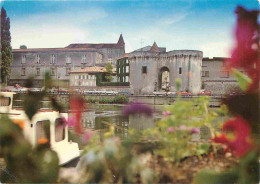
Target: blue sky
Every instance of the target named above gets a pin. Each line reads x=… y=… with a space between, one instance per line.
x=205 y=25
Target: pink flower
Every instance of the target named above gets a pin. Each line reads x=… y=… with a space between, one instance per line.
x=240 y=144
x=87 y=135
x=170 y=130
x=77 y=105
x=182 y=127
x=166 y=113
x=194 y=130
x=137 y=108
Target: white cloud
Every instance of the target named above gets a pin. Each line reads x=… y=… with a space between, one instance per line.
x=54 y=29
x=216 y=49
x=46 y=36
x=174 y=19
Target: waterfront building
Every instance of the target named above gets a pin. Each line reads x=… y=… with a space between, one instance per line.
x=86 y=77
x=216 y=77
x=122 y=69
x=61 y=61
x=154 y=69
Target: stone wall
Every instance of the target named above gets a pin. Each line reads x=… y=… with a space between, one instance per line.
x=221 y=88
x=188 y=61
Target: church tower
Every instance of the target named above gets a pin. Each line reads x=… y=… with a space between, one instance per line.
x=121 y=42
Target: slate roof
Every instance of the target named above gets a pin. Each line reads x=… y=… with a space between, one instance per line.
x=52 y=49
x=148 y=48
x=78 y=47
x=119 y=44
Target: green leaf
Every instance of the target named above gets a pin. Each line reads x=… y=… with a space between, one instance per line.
x=243 y=80
x=211 y=177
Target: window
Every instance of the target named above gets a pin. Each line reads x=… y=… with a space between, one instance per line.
x=68 y=59
x=84 y=59
x=53 y=59
x=127 y=79
x=180 y=70
x=23 y=59
x=43 y=130
x=225 y=74
x=38 y=59
x=76 y=77
x=67 y=71
x=144 y=69
x=59 y=129
x=127 y=69
x=205 y=74
x=23 y=72
x=126 y=61
x=5 y=101
x=204 y=64
x=53 y=71
x=38 y=71
x=99 y=59
x=110 y=60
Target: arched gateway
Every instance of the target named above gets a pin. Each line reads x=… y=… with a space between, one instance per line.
x=155 y=69
x=164 y=79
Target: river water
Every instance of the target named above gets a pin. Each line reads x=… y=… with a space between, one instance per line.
x=100 y=117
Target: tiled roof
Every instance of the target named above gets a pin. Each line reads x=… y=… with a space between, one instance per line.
x=155 y=48
x=51 y=50
x=93 y=69
x=126 y=55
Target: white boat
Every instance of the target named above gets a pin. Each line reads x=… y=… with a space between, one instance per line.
x=35 y=130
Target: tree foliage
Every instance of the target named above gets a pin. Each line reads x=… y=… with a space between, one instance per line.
x=23 y=47
x=6 y=49
x=108 y=68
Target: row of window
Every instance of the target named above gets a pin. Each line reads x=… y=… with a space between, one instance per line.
x=85 y=77
x=54 y=59
x=121 y=70
x=85 y=83
x=224 y=74
x=38 y=71
x=124 y=79
x=43 y=130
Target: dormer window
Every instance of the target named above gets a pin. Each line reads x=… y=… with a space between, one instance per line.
x=68 y=59
x=38 y=59
x=53 y=59
x=84 y=59
x=23 y=59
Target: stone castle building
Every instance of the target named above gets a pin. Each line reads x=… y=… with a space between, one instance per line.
x=60 y=61
x=216 y=77
x=153 y=69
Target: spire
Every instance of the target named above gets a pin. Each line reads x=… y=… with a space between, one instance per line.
x=155 y=48
x=121 y=42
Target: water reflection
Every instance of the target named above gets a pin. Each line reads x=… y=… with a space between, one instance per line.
x=100 y=117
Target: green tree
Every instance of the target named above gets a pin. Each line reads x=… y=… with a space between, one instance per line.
x=6 y=49
x=108 y=68
x=23 y=47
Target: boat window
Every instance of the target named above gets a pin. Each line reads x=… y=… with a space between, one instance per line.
x=5 y=101
x=59 y=129
x=43 y=131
